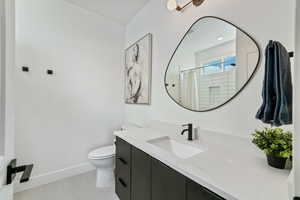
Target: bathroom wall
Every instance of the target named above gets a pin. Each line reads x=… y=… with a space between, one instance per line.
x=6 y=81
x=216 y=87
x=7 y=43
x=297 y=107
x=255 y=17
x=61 y=117
x=2 y=83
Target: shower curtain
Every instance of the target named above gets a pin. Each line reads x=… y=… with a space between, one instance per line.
x=189 y=89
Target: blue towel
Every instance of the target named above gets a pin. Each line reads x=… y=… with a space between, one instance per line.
x=277 y=93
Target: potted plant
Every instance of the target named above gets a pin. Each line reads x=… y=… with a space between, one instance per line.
x=276 y=143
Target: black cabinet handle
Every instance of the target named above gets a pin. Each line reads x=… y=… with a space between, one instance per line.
x=122 y=160
x=122 y=182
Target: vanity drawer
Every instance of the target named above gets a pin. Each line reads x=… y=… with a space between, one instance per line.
x=197 y=192
x=123 y=169
x=123 y=152
x=122 y=188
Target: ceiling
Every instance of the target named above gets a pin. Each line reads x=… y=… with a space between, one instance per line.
x=121 y=11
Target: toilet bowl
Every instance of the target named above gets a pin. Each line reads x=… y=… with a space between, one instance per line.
x=103 y=160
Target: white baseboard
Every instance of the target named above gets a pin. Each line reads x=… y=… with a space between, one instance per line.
x=53 y=176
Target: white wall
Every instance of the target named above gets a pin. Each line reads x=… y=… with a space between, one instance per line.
x=7 y=59
x=297 y=107
x=255 y=17
x=60 y=118
x=2 y=81
x=9 y=150
x=7 y=98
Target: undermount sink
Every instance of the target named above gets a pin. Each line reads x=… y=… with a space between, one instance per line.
x=180 y=150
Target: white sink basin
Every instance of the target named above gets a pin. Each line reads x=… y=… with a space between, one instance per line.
x=180 y=150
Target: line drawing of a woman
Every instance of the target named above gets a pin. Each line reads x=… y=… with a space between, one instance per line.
x=134 y=76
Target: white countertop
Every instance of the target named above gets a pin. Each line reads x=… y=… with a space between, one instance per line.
x=232 y=167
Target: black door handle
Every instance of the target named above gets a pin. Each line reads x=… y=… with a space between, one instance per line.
x=12 y=170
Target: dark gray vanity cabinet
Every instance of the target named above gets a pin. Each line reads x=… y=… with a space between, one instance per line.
x=123 y=169
x=194 y=191
x=140 y=175
x=167 y=184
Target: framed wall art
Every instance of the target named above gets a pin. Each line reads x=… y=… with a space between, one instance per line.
x=138 y=68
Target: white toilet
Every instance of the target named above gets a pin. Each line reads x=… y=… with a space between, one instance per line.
x=104 y=160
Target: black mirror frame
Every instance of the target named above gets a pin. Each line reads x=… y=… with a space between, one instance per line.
x=240 y=90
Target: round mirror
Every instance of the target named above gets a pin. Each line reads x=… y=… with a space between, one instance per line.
x=212 y=63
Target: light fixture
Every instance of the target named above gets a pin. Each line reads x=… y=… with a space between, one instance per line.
x=172 y=4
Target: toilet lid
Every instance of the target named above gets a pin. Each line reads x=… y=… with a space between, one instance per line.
x=103 y=152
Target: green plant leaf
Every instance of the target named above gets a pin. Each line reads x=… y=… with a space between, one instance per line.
x=274 y=141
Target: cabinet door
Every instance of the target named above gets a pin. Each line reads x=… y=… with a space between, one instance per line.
x=197 y=192
x=167 y=184
x=140 y=175
x=123 y=172
x=123 y=151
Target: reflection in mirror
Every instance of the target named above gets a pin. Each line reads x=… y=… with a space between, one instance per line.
x=211 y=65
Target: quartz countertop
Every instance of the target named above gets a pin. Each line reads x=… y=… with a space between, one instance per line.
x=230 y=166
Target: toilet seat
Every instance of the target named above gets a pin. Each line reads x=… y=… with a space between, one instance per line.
x=102 y=153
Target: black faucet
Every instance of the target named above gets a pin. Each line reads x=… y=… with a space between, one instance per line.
x=189 y=130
